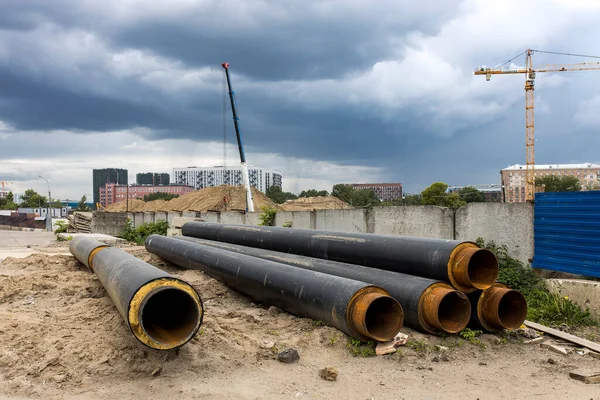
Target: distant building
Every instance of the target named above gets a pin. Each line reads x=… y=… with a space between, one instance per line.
x=107 y=175
x=491 y=192
x=513 y=177
x=203 y=177
x=152 y=178
x=113 y=193
x=385 y=191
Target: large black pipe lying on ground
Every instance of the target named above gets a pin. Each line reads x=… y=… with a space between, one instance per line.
x=429 y=305
x=497 y=308
x=463 y=264
x=361 y=310
x=163 y=312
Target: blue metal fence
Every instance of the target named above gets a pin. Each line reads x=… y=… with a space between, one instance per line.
x=567 y=232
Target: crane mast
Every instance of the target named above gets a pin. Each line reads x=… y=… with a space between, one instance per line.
x=245 y=175
x=530 y=73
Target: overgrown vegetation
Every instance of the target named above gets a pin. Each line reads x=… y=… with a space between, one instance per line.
x=61 y=227
x=267 y=216
x=361 y=349
x=139 y=235
x=471 y=336
x=287 y=224
x=544 y=307
x=160 y=196
x=7 y=202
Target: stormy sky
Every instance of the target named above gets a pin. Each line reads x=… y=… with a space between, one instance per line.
x=328 y=91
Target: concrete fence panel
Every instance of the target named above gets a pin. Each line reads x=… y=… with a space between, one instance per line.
x=419 y=221
x=342 y=220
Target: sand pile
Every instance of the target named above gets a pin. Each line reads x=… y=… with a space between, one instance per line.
x=315 y=203
x=218 y=198
x=135 y=205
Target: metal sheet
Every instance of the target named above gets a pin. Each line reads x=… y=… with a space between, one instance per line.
x=567 y=232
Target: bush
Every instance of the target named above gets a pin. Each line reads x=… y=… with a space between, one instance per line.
x=139 y=235
x=267 y=217
x=61 y=227
x=543 y=306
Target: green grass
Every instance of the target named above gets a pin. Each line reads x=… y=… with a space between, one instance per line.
x=543 y=306
x=361 y=349
x=420 y=346
x=139 y=235
x=471 y=336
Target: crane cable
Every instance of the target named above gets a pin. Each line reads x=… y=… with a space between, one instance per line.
x=565 y=54
x=224 y=110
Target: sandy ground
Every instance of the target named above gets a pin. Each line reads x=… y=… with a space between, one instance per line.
x=62 y=338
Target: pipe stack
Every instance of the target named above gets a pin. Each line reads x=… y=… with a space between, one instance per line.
x=442 y=285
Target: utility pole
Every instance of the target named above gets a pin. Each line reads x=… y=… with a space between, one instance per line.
x=48 y=216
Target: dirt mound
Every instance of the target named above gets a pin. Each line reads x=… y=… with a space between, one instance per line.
x=315 y=203
x=135 y=205
x=154 y=205
x=218 y=198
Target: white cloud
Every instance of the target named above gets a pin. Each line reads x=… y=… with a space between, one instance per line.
x=588 y=114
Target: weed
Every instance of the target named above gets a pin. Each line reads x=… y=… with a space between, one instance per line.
x=267 y=216
x=543 y=306
x=319 y=323
x=287 y=224
x=361 y=349
x=333 y=339
x=61 y=227
x=417 y=345
x=139 y=235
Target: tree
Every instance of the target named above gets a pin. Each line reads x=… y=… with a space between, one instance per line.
x=413 y=199
x=553 y=183
x=471 y=195
x=32 y=199
x=160 y=196
x=356 y=198
x=313 y=193
x=279 y=196
x=435 y=194
x=454 y=201
x=7 y=203
x=82 y=206
x=342 y=192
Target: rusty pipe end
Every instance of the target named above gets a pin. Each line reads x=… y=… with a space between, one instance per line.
x=471 y=267
x=165 y=313
x=444 y=309
x=374 y=315
x=500 y=307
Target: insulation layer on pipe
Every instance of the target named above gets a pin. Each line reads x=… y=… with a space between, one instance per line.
x=361 y=310
x=497 y=308
x=466 y=266
x=163 y=312
x=429 y=305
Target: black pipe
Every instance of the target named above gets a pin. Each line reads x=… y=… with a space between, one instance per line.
x=466 y=266
x=163 y=312
x=497 y=308
x=429 y=305
x=361 y=310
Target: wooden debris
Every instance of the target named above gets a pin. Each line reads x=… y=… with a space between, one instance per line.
x=536 y=340
x=586 y=375
x=391 y=345
x=555 y=348
x=566 y=336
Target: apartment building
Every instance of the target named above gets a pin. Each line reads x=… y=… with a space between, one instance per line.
x=202 y=177
x=385 y=191
x=513 y=177
x=114 y=193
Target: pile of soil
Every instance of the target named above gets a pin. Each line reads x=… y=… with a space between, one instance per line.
x=217 y=198
x=315 y=203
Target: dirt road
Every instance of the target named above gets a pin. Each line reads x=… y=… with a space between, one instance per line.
x=62 y=338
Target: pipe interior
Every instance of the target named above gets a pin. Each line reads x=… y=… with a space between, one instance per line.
x=170 y=316
x=384 y=318
x=483 y=269
x=512 y=310
x=454 y=312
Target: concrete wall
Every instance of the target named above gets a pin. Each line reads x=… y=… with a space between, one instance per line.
x=210 y=217
x=421 y=221
x=584 y=293
x=504 y=223
x=299 y=219
x=341 y=220
x=109 y=223
x=233 y=217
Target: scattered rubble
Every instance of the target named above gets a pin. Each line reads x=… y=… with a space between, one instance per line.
x=328 y=373
x=288 y=356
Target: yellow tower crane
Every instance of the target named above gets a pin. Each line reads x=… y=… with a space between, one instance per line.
x=2 y=183
x=529 y=73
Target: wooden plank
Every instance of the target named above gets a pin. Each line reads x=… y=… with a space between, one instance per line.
x=563 y=335
x=586 y=376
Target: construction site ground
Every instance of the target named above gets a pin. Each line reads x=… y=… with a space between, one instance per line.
x=62 y=338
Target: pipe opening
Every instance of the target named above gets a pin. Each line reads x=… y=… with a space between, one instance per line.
x=483 y=269
x=512 y=310
x=170 y=316
x=454 y=312
x=384 y=318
